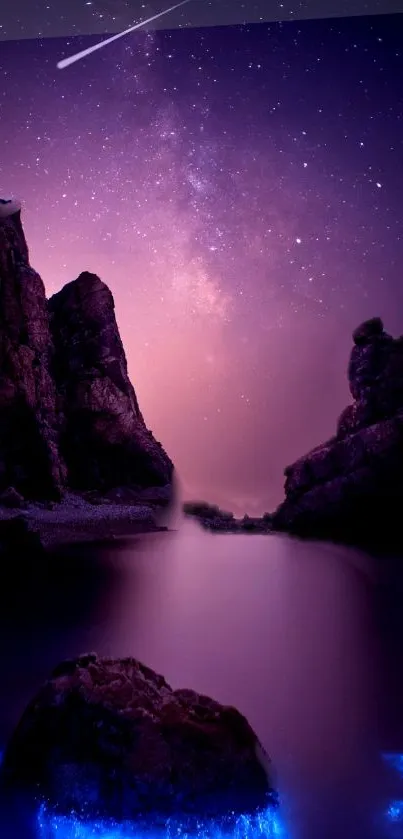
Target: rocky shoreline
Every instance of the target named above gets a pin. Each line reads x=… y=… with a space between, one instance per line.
x=210 y=517
x=349 y=489
x=38 y=527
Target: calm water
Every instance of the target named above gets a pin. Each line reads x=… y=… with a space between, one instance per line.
x=306 y=640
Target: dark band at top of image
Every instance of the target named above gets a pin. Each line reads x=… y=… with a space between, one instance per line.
x=62 y=18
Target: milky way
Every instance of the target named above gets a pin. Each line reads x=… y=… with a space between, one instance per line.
x=240 y=190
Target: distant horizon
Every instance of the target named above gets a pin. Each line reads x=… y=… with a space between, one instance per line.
x=244 y=210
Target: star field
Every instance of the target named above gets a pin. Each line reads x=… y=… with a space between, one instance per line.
x=239 y=189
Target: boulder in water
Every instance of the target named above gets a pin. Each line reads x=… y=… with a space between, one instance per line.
x=111 y=738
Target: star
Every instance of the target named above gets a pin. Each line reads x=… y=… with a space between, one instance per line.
x=173 y=163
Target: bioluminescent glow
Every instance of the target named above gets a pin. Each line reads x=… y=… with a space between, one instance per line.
x=395 y=761
x=264 y=825
x=394 y=812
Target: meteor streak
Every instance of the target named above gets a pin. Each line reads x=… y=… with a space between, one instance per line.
x=83 y=54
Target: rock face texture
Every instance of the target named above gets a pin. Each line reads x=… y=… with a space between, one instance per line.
x=69 y=416
x=111 y=738
x=29 y=455
x=351 y=487
x=105 y=441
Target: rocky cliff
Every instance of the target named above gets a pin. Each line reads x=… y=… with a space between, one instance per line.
x=69 y=417
x=350 y=488
x=29 y=455
x=104 y=439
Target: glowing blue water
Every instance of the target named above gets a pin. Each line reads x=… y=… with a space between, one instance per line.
x=395 y=812
x=395 y=761
x=264 y=825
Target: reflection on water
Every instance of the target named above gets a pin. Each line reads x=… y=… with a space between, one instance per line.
x=293 y=634
x=394 y=812
x=266 y=825
x=395 y=761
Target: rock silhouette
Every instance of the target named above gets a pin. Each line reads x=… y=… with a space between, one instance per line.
x=109 y=737
x=29 y=456
x=69 y=416
x=350 y=488
x=104 y=441
x=212 y=518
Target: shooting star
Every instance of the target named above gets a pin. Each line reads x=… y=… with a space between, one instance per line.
x=66 y=62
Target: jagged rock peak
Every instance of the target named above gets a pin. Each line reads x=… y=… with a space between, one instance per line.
x=13 y=245
x=9 y=207
x=86 y=284
x=368 y=330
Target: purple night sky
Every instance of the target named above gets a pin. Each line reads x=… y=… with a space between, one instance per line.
x=240 y=191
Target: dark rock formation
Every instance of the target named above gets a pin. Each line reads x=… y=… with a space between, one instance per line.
x=256 y=524
x=12 y=499
x=350 y=488
x=18 y=539
x=212 y=518
x=29 y=455
x=105 y=441
x=111 y=738
x=203 y=510
x=69 y=416
x=157 y=497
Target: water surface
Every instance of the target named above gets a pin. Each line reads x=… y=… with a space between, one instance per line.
x=305 y=639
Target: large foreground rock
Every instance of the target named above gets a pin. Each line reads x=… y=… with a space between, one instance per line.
x=111 y=737
x=351 y=487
